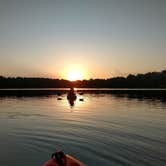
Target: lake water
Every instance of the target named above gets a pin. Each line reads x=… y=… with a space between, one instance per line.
x=104 y=128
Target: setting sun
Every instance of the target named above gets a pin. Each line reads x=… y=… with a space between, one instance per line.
x=75 y=75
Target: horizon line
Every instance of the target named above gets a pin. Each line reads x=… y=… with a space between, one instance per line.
x=135 y=74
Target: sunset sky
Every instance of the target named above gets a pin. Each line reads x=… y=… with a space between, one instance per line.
x=98 y=38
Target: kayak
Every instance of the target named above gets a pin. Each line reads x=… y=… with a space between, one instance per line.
x=61 y=159
x=71 y=96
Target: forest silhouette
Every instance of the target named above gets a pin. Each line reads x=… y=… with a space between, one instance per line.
x=148 y=80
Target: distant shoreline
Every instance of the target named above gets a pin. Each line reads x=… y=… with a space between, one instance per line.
x=151 y=80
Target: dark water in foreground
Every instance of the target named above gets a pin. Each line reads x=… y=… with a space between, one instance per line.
x=107 y=128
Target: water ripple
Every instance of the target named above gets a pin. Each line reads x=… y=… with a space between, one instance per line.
x=103 y=130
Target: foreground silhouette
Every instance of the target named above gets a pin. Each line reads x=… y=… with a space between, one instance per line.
x=61 y=159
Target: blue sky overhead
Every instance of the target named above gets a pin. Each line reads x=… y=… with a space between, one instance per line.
x=103 y=38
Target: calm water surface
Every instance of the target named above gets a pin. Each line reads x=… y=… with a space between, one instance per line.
x=104 y=129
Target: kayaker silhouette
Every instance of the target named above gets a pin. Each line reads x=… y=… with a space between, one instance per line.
x=71 y=96
x=71 y=92
x=61 y=159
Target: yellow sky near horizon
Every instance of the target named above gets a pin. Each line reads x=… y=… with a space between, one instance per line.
x=93 y=39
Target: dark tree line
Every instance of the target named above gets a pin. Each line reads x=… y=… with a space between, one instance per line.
x=20 y=82
x=148 y=80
